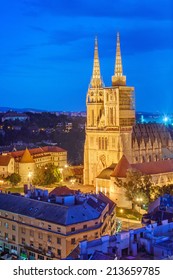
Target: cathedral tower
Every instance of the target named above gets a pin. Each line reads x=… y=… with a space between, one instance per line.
x=110 y=117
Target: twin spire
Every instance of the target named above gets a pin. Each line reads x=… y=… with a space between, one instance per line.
x=96 y=80
x=118 y=78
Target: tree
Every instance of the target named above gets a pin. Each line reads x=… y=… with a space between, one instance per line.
x=47 y=175
x=138 y=187
x=14 y=178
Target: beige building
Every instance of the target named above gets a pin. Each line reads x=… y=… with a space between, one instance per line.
x=161 y=173
x=35 y=229
x=25 y=161
x=6 y=165
x=111 y=129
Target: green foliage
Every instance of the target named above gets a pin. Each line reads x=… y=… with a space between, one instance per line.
x=14 y=178
x=137 y=186
x=47 y=175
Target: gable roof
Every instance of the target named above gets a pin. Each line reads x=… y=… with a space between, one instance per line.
x=105 y=173
x=62 y=191
x=121 y=168
x=4 y=160
x=147 y=168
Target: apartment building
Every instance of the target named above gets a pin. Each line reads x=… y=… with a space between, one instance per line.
x=33 y=229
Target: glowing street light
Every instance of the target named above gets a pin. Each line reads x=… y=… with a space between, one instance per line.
x=139 y=200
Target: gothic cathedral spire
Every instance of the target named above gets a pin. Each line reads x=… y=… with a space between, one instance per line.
x=96 y=80
x=118 y=79
x=118 y=61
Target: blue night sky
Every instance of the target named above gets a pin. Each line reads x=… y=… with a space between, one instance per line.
x=46 y=51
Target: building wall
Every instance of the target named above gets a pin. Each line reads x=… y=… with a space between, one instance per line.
x=7 y=169
x=48 y=240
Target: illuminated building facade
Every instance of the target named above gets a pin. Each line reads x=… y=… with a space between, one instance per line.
x=111 y=129
x=34 y=229
x=24 y=162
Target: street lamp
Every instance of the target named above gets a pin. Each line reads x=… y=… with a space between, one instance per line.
x=29 y=175
x=139 y=200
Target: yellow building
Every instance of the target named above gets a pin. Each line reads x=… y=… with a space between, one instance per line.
x=42 y=230
x=111 y=129
x=6 y=165
x=25 y=161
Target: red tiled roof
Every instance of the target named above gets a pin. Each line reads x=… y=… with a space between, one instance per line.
x=148 y=168
x=38 y=151
x=121 y=168
x=4 y=160
x=77 y=170
x=155 y=167
x=53 y=149
x=58 y=191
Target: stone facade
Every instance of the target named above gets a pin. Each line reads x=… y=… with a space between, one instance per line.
x=111 y=129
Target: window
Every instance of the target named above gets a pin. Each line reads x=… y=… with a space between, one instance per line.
x=40 y=257
x=40 y=235
x=106 y=143
x=49 y=238
x=49 y=227
x=13 y=248
x=40 y=247
x=99 y=143
x=84 y=226
x=103 y=140
x=6 y=236
x=73 y=241
x=59 y=252
x=49 y=248
x=6 y=225
x=31 y=244
x=23 y=241
x=31 y=254
x=13 y=237
x=85 y=237
x=13 y=227
x=72 y=229
x=58 y=240
x=23 y=230
x=31 y=233
x=92 y=118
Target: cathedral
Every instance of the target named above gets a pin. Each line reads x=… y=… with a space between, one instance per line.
x=111 y=129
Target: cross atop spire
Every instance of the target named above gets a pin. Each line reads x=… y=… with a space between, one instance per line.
x=96 y=80
x=118 y=78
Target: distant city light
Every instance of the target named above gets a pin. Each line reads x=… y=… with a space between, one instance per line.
x=142 y=119
x=165 y=119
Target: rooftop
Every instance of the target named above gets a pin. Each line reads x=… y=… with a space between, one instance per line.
x=4 y=160
x=39 y=150
x=90 y=209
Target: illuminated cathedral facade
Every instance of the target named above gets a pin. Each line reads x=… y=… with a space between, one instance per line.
x=111 y=129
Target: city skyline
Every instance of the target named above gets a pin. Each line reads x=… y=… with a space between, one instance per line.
x=47 y=51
